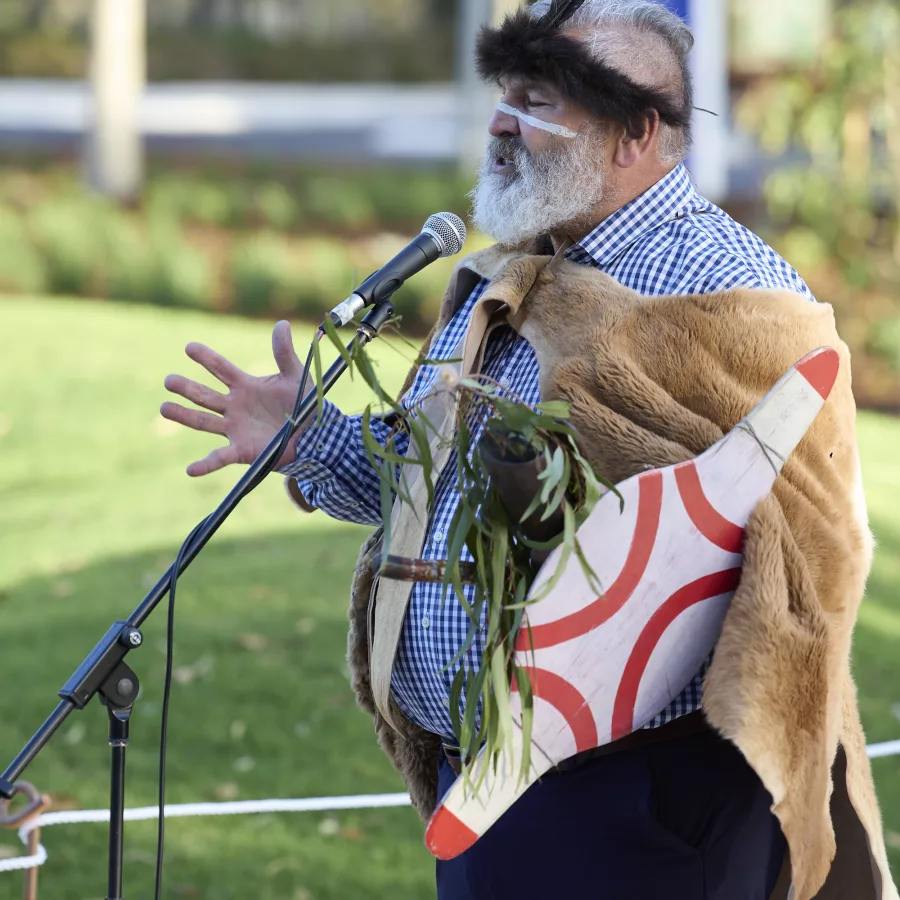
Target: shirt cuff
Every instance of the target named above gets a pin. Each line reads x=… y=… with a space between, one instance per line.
x=313 y=444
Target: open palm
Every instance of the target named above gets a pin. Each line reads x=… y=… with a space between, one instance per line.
x=252 y=411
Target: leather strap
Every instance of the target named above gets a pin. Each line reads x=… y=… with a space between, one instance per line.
x=409 y=523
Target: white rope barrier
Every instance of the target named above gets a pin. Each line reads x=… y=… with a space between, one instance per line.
x=890 y=748
x=246 y=807
x=236 y=808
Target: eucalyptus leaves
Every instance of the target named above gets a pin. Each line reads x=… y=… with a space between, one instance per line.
x=523 y=490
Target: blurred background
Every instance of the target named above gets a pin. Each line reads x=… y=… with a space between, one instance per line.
x=241 y=144
x=183 y=170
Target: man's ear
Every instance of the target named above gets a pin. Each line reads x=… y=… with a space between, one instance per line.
x=631 y=148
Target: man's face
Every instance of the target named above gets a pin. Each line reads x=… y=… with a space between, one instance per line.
x=533 y=181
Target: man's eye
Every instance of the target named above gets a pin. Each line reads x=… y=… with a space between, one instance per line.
x=535 y=104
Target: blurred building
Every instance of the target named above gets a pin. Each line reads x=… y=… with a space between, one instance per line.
x=352 y=79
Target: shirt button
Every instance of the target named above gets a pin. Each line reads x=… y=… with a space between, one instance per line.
x=504 y=381
x=320 y=447
x=426 y=622
x=438 y=536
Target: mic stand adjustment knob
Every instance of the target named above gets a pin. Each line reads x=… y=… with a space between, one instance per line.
x=131 y=638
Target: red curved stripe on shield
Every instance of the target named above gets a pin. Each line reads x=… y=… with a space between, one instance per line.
x=447 y=835
x=567 y=700
x=709 y=521
x=696 y=592
x=820 y=369
x=650 y=487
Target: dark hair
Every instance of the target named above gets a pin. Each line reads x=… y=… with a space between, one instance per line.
x=528 y=47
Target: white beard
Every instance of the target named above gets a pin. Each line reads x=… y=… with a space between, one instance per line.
x=559 y=187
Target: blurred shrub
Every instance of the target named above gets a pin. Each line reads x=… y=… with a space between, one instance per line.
x=304 y=199
x=210 y=204
x=154 y=264
x=66 y=235
x=225 y=239
x=21 y=266
x=328 y=277
x=276 y=207
x=884 y=341
x=342 y=203
x=182 y=275
x=261 y=275
x=185 y=197
x=270 y=276
x=129 y=266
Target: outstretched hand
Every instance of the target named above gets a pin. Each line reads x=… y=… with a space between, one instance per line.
x=249 y=415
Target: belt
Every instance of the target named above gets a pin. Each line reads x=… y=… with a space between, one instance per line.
x=683 y=726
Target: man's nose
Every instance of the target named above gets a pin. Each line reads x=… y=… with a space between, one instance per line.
x=503 y=125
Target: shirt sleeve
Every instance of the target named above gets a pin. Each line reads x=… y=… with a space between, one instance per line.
x=705 y=268
x=333 y=470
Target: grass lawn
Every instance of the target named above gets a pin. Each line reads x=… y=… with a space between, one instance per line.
x=93 y=505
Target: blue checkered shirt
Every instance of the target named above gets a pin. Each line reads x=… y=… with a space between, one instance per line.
x=670 y=240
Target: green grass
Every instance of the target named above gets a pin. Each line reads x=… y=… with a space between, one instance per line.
x=93 y=505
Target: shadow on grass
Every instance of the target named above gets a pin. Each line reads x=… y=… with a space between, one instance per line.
x=261 y=708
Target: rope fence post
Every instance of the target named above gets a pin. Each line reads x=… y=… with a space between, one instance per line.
x=27 y=818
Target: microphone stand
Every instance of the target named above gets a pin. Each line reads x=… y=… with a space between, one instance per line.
x=104 y=671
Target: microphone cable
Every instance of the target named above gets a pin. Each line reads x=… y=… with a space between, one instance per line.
x=170 y=625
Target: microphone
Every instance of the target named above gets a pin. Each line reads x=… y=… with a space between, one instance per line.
x=442 y=235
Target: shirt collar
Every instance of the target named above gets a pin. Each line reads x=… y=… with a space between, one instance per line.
x=670 y=198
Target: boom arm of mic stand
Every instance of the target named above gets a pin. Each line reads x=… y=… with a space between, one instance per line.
x=124 y=635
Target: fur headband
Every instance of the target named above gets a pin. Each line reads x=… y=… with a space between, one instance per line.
x=533 y=48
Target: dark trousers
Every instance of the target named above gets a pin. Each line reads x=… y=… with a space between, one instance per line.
x=686 y=819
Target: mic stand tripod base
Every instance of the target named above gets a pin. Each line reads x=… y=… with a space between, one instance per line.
x=118 y=694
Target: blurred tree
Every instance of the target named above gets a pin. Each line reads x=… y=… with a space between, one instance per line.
x=280 y=19
x=765 y=35
x=114 y=149
x=834 y=196
x=203 y=14
x=404 y=41
x=35 y=12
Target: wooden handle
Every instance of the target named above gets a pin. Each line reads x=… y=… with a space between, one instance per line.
x=428 y=571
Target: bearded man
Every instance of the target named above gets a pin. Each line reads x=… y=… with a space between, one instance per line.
x=586 y=159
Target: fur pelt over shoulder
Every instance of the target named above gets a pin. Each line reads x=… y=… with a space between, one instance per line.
x=653 y=381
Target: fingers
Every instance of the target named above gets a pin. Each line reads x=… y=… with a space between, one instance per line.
x=218 y=459
x=193 y=418
x=283 y=350
x=197 y=393
x=214 y=363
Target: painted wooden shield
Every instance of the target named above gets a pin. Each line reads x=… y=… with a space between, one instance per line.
x=602 y=667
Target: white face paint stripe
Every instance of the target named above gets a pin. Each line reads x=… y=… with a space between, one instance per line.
x=559 y=130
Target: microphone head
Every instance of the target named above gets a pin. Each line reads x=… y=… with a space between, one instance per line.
x=448 y=230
